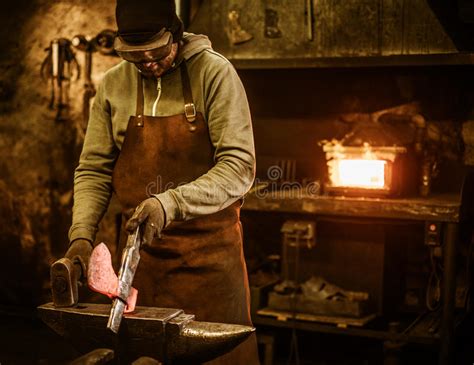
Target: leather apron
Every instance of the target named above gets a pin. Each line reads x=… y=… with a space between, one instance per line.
x=198 y=265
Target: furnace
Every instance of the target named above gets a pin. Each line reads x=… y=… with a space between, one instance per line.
x=383 y=154
x=362 y=170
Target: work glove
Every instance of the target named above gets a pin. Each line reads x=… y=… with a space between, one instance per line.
x=79 y=253
x=67 y=272
x=150 y=213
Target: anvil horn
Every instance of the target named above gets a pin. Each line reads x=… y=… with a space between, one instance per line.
x=166 y=334
x=189 y=340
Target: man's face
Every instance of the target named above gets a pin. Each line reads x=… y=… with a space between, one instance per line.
x=159 y=67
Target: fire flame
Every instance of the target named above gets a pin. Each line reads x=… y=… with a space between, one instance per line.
x=368 y=174
x=358 y=167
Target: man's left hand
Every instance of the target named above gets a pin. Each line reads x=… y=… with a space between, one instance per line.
x=151 y=213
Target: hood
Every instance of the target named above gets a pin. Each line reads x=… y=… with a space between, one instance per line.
x=192 y=45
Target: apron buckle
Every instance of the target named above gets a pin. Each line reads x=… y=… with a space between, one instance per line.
x=190 y=112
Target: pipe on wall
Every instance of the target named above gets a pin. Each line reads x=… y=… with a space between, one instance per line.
x=183 y=11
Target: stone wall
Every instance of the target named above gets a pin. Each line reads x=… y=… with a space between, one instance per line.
x=38 y=153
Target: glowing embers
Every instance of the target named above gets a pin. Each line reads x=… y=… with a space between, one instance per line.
x=355 y=170
x=367 y=174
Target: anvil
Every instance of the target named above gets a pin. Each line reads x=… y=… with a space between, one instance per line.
x=168 y=335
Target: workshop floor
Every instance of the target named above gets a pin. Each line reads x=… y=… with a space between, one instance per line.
x=325 y=349
x=24 y=340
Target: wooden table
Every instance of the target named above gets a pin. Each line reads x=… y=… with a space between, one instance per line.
x=443 y=209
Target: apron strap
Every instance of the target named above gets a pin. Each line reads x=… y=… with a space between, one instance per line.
x=189 y=107
x=140 y=97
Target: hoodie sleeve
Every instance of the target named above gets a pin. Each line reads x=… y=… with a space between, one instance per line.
x=93 y=175
x=230 y=129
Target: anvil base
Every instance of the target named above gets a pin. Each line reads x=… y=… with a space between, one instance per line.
x=166 y=334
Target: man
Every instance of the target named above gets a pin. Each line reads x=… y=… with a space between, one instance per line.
x=170 y=133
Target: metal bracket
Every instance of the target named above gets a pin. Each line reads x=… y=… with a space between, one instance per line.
x=297 y=236
x=271 y=24
x=299 y=232
x=433 y=232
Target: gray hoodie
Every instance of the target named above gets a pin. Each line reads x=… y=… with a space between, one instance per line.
x=218 y=94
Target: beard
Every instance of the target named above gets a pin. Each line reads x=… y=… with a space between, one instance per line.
x=158 y=68
x=152 y=69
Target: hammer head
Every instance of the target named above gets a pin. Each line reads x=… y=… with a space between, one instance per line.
x=64 y=283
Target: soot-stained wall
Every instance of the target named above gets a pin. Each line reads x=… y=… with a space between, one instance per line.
x=39 y=154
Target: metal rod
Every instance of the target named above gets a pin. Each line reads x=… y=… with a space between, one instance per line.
x=448 y=294
x=309 y=19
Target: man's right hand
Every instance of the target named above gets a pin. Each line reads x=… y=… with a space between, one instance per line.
x=79 y=253
x=66 y=273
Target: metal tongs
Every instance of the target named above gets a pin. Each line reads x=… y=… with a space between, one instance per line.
x=128 y=267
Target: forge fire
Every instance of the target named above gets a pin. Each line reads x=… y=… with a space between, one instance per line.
x=360 y=168
x=367 y=174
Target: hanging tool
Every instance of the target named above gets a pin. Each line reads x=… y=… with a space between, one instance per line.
x=102 y=43
x=81 y=43
x=237 y=34
x=58 y=67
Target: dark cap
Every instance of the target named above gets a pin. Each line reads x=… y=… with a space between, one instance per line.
x=139 y=21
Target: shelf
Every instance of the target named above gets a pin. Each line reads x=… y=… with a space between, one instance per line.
x=442 y=208
x=415 y=330
x=448 y=59
x=377 y=334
